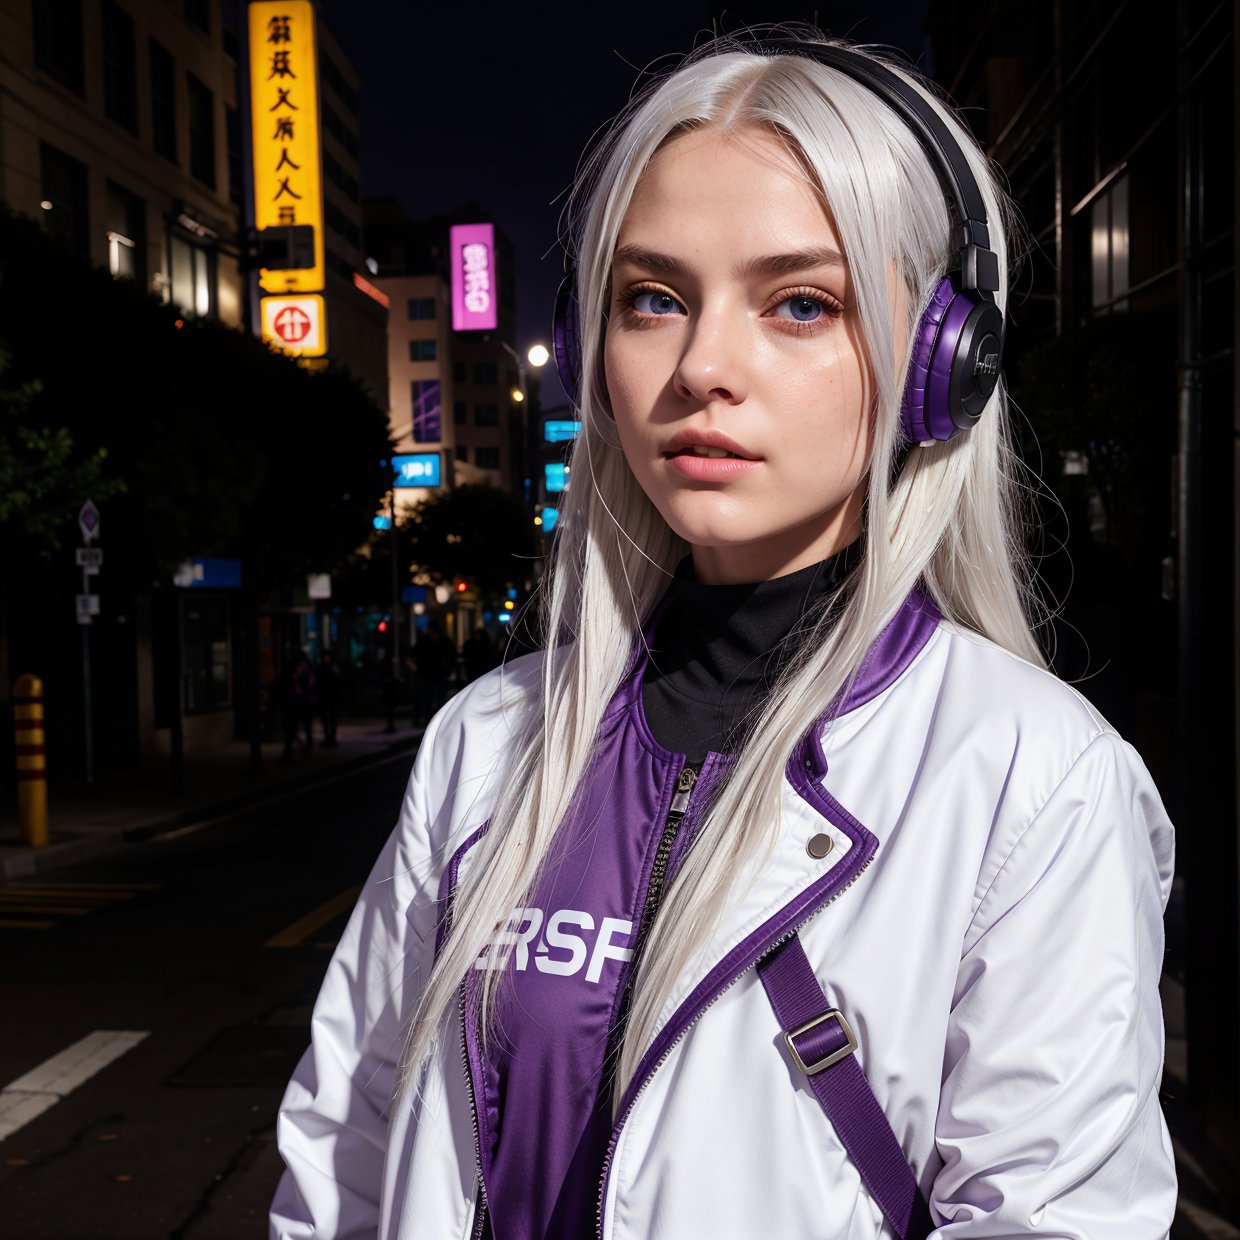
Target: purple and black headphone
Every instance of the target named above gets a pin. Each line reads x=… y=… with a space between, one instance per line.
x=959 y=338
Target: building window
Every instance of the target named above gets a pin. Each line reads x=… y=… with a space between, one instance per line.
x=462 y=453
x=339 y=177
x=421 y=307
x=120 y=75
x=201 y=131
x=329 y=71
x=341 y=224
x=458 y=413
x=426 y=421
x=486 y=372
x=486 y=415
x=126 y=221
x=58 y=41
x=1108 y=247
x=423 y=350
x=191 y=270
x=230 y=27
x=336 y=127
x=458 y=372
x=206 y=631
x=198 y=13
x=64 y=198
x=163 y=100
x=486 y=458
x=232 y=135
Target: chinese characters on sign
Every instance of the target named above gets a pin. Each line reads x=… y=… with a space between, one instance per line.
x=288 y=190
x=475 y=290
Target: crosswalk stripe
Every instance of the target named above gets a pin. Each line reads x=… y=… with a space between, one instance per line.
x=42 y=1087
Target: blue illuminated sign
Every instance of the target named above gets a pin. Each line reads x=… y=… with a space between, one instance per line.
x=555 y=477
x=560 y=432
x=204 y=574
x=549 y=517
x=383 y=523
x=418 y=470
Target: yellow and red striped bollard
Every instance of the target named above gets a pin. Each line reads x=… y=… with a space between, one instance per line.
x=31 y=759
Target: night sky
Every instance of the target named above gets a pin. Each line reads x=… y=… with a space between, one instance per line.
x=494 y=103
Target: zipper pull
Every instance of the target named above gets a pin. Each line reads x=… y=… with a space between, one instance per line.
x=684 y=786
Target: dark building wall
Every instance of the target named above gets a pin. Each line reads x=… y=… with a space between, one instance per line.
x=1115 y=127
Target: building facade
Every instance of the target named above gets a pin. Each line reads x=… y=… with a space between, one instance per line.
x=1115 y=126
x=123 y=131
x=454 y=394
x=119 y=127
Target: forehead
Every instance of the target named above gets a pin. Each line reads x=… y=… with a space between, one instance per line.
x=744 y=189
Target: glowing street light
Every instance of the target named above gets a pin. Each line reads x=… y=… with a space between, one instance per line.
x=538 y=355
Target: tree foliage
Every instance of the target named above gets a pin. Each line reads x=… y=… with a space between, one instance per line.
x=479 y=533
x=222 y=446
x=43 y=478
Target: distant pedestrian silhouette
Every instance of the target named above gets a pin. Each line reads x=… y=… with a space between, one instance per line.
x=327 y=686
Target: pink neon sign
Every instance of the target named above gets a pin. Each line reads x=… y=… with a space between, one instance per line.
x=475 y=290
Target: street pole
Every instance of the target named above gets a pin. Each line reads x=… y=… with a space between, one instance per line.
x=396 y=662
x=87 y=608
x=86 y=698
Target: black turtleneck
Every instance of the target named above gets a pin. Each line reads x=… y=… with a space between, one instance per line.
x=719 y=649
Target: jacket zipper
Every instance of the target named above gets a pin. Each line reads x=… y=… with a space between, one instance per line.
x=480 y=1206
x=783 y=938
x=654 y=897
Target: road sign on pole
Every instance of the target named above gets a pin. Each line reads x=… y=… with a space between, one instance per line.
x=88 y=521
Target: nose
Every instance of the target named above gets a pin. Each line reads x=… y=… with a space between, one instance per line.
x=712 y=365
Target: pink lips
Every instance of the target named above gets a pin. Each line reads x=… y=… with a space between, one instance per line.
x=708 y=468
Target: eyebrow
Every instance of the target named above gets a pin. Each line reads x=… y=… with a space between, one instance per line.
x=766 y=265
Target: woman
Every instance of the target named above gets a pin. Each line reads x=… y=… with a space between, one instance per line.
x=787 y=894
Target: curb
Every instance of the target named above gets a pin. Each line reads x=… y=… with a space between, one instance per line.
x=104 y=840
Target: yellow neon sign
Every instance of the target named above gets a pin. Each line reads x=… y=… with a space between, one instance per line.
x=284 y=124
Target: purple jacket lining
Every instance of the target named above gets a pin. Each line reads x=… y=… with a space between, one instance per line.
x=896 y=648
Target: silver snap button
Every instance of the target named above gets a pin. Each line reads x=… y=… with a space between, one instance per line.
x=818 y=846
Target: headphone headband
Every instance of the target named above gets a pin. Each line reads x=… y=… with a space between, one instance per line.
x=957 y=347
x=979 y=267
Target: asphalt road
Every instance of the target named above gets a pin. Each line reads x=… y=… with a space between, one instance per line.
x=153 y=1003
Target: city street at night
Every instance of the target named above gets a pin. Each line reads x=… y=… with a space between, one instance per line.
x=838 y=400
x=178 y=974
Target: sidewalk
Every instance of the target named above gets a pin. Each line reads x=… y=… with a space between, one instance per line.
x=124 y=807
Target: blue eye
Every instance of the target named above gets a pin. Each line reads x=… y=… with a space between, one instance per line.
x=657 y=303
x=801 y=309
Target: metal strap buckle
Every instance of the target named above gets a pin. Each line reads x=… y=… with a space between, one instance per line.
x=810 y=1069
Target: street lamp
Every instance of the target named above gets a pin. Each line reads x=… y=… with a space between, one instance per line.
x=537 y=357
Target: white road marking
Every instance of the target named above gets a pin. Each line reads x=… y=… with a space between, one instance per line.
x=42 y=1087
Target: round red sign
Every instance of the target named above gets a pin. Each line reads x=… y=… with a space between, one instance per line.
x=292 y=324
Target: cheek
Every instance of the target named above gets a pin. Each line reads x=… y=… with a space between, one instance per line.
x=630 y=393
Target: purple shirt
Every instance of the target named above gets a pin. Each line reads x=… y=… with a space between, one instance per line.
x=569 y=956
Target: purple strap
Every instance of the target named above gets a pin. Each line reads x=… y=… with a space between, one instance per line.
x=845 y=1094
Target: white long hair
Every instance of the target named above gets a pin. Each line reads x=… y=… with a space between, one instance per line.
x=946 y=519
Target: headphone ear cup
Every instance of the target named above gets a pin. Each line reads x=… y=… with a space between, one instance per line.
x=566 y=340
x=954 y=364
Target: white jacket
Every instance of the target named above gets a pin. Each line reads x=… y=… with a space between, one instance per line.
x=998 y=960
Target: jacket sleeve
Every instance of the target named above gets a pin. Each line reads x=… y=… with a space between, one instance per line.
x=332 y=1128
x=1049 y=1122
